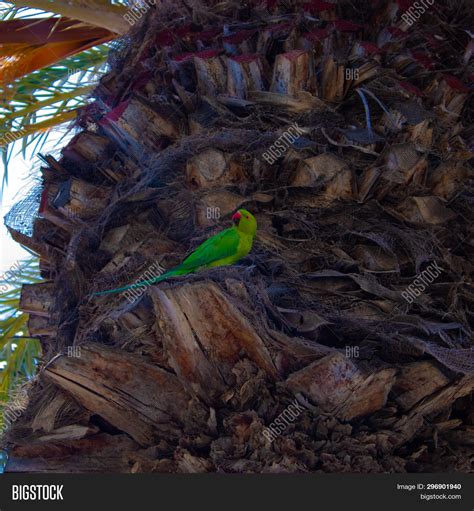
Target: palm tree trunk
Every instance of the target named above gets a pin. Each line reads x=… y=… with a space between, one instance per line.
x=318 y=352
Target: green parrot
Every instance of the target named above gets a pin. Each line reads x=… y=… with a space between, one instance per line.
x=224 y=248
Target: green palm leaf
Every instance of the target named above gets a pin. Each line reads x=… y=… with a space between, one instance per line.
x=50 y=94
x=18 y=351
x=32 y=105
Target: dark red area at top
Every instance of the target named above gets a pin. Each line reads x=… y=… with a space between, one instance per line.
x=432 y=41
x=184 y=56
x=207 y=54
x=370 y=48
x=346 y=26
x=455 y=83
x=423 y=59
x=184 y=30
x=293 y=55
x=245 y=58
x=164 y=38
x=206 y=35
x=409 y=87
x=239 y=37
x=396 y=32
x=280 y=27
x=404 y=5
x=318 y=6
x=116 y=113
x=317 y=35
x=44 y=200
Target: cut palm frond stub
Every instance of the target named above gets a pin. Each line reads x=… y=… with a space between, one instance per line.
x=29 y=45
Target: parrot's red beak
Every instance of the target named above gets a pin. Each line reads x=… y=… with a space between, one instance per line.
x=236 y=216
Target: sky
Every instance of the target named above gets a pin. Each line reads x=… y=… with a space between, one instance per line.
x=20 y=181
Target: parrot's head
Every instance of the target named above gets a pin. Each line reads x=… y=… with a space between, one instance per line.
x=245 y=222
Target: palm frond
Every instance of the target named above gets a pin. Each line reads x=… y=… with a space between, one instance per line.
x=18 y=351
x=52 y=93
x=97 y=13
x=46 y=73
x=29 y=45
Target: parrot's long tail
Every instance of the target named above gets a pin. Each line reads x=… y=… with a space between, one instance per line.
x=143 y=283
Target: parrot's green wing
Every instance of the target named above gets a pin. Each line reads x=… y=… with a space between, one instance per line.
x=222 y=245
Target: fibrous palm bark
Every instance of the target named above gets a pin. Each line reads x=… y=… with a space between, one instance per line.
x=320 y=351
